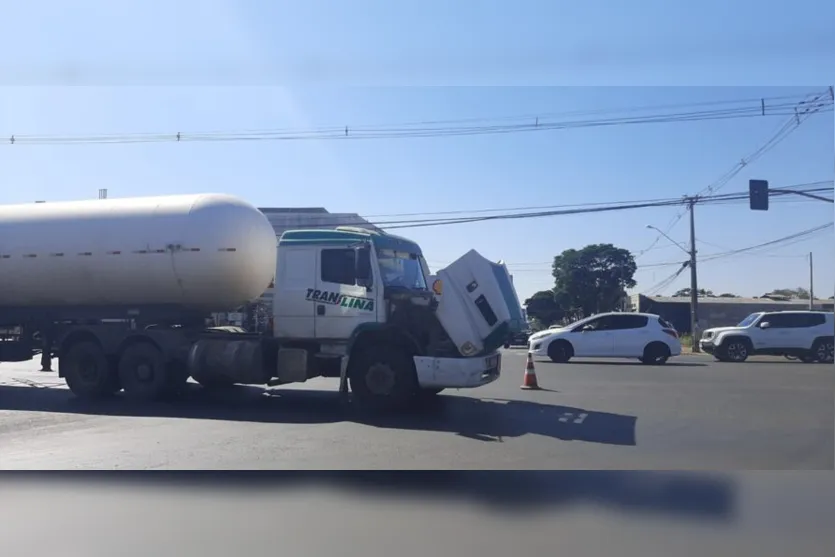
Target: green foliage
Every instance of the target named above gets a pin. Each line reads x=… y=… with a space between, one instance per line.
x=799 y=293
x=543 y=308
x=593 y=279
x=685 y=293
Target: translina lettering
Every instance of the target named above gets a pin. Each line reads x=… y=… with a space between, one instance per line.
x=337 y=299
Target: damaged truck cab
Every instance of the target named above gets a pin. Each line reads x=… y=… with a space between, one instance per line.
x=362 y=306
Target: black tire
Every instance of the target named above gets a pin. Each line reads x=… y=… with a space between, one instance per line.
x=88 y=372
x=146 y=375
x=823 y=350
x=383 y=378
x=655 y=353
x=735 y=350
x=560 y=351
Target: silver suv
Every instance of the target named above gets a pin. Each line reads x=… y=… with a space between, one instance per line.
x=805 y=335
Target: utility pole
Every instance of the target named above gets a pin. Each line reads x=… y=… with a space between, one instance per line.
x=694 y=285
x=811 y=283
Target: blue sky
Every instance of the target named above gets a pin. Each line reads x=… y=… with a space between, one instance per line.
x=202 y=66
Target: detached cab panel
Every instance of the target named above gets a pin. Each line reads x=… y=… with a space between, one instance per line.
x=478 y=305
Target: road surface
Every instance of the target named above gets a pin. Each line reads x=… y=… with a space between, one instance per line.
x=692 y=413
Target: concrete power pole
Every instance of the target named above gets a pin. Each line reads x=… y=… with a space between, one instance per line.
x=811 y=283
x=694 y=283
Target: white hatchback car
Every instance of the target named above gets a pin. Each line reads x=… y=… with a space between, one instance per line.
x=644 y=336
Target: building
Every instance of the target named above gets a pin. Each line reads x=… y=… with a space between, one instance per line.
x=293 y=218
x=715 y=312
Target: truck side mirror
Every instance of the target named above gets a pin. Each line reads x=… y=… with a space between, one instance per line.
x=363 y=272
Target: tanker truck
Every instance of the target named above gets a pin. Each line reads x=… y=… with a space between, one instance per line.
x=120 y=291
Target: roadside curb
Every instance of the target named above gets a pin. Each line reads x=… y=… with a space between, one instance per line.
x=700 y=354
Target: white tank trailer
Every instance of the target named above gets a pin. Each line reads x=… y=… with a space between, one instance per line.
x=206 y=252
x=119 y=290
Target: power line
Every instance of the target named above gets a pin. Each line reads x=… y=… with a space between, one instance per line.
x=784 y=241
x=779 y=242
x=811 y=104
x=720 y=198
x=801 y=186
x=665 y=282
x=417 y=130
x=549 y=211
x=792 y=238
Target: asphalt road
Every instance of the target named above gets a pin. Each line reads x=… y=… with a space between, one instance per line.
x=692 y=413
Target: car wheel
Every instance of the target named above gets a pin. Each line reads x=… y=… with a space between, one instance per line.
x=559 y=351
x=736 y=351
x=823 y=350
x=656 y=353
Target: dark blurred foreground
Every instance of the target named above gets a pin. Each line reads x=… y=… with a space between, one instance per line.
x=417 y=513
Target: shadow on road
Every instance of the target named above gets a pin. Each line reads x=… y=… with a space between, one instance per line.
x=633 y=364
x=675 y=494
x=489 y=420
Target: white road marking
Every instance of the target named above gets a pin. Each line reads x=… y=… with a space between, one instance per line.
x=571 y=417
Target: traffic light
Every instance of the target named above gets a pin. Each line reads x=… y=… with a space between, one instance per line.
x=758 y=195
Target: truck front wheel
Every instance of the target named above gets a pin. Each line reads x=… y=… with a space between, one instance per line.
x=87 y=371
x=383 y=378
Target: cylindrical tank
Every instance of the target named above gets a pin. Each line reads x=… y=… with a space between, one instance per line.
x=211 y=252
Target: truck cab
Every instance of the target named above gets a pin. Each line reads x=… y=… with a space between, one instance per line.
x=332 y=283
x=356 y=299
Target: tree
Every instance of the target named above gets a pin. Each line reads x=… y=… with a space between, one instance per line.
x=728 y=295
x=593 y=279
x=543 y=307
x=685 y=293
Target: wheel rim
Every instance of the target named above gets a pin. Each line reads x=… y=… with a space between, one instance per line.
x=144 y=372
x=380 y=379
x=88 y=370
x=825 y=352
x=737 y=351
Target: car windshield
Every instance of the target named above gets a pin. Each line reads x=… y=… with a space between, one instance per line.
x=401 y=269
x=748 y=320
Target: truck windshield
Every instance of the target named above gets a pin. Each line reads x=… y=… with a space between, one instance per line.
x=748 y=320
x=401 y=269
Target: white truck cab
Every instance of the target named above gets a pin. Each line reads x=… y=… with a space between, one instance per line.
x=363 y=306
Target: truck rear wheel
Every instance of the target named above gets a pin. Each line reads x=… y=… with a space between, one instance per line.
x=145 y=374
x=87 y=371
x=383 y=378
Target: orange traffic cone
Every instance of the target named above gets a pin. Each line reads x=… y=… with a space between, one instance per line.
x=530 y=383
